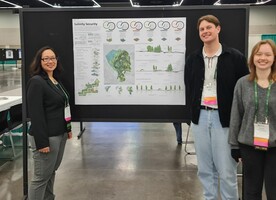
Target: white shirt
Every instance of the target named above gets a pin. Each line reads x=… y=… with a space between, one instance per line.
x=209 y=93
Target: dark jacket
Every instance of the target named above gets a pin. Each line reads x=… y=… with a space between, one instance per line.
x=46 y=105
x=230 y=67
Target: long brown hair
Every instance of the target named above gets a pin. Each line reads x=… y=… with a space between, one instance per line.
x=252 y=67
x=36 y=68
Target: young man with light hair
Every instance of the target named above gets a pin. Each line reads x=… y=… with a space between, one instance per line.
x=211 y=74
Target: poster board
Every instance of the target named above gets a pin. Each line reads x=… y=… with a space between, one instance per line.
x=54 y=27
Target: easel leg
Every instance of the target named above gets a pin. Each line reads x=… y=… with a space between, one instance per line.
x=82 y=129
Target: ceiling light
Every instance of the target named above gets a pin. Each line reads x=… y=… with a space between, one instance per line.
x=14 y=5
x=48 y=4
x=262 y=2
x=96 y=4
x=59 y=6
x=135 y=3
x=178 y=4
x=258 y=2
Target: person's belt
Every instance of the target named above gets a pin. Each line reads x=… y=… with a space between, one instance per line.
x=207 y=108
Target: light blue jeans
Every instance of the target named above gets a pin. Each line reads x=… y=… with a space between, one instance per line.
x=215 y=164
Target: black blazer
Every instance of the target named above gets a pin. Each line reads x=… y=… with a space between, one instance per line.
x=45 y=104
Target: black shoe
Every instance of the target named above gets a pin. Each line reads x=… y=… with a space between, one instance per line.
x=179 y=143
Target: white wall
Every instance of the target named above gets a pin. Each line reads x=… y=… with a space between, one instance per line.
x=9 y=29
x=262 y=20
x=8 y=19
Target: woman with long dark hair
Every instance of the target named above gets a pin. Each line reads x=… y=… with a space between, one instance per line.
x=48 y=108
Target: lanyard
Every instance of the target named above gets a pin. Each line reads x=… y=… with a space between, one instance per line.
x=66 y=95
x=215 y=74
x=210 y=64
x=257 y=100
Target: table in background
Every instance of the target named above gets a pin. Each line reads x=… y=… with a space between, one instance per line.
x=6 y=102
x=9 y=105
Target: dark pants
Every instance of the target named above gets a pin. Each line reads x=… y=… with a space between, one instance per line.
x=258 y=167
x=178 y=131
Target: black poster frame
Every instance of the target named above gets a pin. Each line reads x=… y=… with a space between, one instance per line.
x=40 y=27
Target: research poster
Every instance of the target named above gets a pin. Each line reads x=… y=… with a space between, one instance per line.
x=132 y=61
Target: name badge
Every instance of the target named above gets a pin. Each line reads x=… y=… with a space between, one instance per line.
x=210 y=95
x=261 y=135
x=67 y=113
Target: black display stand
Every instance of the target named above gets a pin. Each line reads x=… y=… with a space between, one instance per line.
x=53 y=27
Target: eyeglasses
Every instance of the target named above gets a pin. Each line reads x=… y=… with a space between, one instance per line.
x=49 y=59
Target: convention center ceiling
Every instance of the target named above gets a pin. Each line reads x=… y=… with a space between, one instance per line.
x=10 y=4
